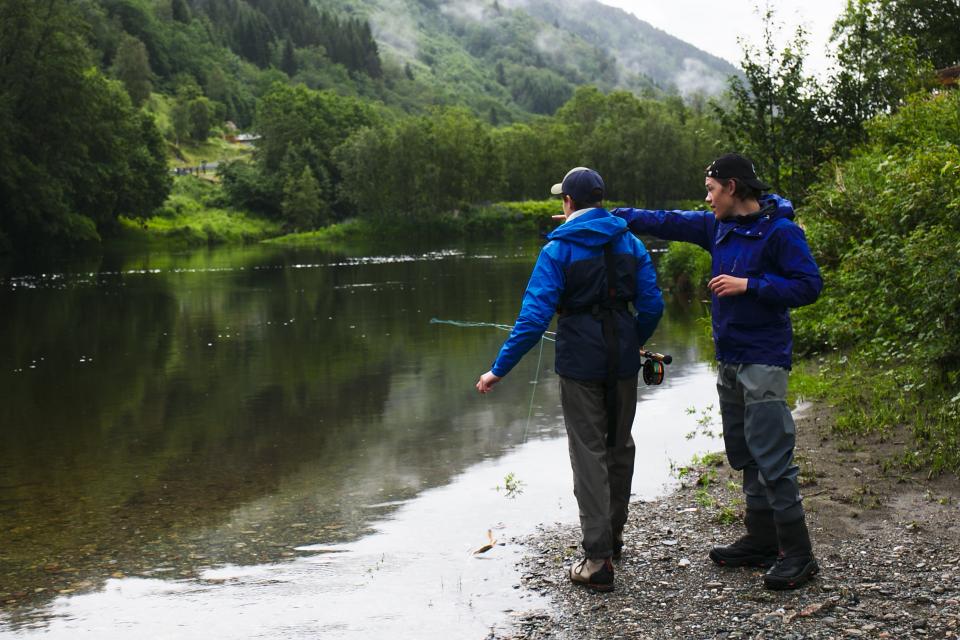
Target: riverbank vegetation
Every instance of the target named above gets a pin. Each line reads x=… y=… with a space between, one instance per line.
x=885 y=229
x=194 y=215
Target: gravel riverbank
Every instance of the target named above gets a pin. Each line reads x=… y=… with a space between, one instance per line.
x=888 y=545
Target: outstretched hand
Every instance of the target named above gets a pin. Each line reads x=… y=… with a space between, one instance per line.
x=727 y=285
x=486 y=382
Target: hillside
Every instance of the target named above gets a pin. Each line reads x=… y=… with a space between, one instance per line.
x=532 y=53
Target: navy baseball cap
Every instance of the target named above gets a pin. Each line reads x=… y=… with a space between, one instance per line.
x=584 y=185
x=737 y=167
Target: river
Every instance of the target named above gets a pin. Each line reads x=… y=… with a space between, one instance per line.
x=262 y=442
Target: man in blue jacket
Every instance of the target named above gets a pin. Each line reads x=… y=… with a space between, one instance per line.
x=761 y=268
x=589 y=273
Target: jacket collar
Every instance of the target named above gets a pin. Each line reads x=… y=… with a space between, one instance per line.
x=753 y=225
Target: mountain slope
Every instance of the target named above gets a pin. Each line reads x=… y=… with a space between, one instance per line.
x=537 y=51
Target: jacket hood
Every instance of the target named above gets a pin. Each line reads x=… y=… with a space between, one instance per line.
x=593 y=228
x=783 y=208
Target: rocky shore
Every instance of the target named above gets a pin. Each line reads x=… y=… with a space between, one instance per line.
x=888 y=545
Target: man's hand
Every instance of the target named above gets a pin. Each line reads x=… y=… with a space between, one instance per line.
x=726 y=285
x=486 y=382
x=559 y=217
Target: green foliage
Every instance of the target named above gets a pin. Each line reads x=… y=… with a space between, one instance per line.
x=885 y=230
x=200 y=114
x=773 y=116
x=192 y=216
x=287 y=116
x=933 y=25
x=877 y=65
x=685 y=268
x=132 y=67
x=512 y=486
x=304 y=206
x=75 y=153
x=450 y=159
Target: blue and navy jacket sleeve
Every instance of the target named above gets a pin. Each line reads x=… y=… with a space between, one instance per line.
x=649 y=300
x=686 y=226
x=797 y=281
x=539 y=305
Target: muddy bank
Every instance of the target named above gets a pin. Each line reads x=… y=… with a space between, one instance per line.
x=888 y=545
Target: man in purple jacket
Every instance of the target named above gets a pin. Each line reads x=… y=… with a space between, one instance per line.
x=762 y=267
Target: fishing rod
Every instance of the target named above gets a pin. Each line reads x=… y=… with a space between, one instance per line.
x=653 y=365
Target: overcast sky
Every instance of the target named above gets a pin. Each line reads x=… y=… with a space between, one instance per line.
x=715 y=26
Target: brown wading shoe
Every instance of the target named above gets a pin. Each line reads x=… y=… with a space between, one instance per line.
x=593 y=574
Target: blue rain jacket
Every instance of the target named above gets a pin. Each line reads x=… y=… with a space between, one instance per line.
x=570 y=275
x=768 y=249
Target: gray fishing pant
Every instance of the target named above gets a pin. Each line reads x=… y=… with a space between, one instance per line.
x=759 y=435
x=601 y=476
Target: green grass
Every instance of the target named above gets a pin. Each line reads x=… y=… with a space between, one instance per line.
x=875 y=399
x=193 y=216
x=491 y=220
x=354 y=229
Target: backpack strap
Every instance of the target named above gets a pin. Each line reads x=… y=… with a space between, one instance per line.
x=608 y=319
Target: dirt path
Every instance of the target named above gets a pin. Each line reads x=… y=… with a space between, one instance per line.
x=888 y=546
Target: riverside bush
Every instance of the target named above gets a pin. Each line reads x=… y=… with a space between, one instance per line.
x=685 y=268
x=885 y=229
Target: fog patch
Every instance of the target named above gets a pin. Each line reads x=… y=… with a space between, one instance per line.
x=549 y=42
x=464 y=10
x=394 y=29
x=697 y=77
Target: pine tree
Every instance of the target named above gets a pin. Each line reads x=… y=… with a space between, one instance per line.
x=303 y=204
x=180 y=11
x=288 y=62
x=132 y=67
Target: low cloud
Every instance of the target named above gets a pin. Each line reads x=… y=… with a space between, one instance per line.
x=464 y=10
x=697 y=77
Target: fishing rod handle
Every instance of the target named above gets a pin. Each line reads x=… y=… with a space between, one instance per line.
x=659 y=357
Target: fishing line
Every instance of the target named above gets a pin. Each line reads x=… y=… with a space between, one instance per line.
x=536 y=381
x=509 y=327
x=502 y=327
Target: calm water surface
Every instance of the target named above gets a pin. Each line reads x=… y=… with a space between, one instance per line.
x=268 y=443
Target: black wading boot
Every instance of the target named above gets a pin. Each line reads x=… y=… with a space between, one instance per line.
x=756 y=549
x=796 y=565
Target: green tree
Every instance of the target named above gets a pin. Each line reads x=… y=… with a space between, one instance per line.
x=132 y=67
x=773 y=117
x=288 y=62
x=288 y=115
x=934 y=26
x=75 y=153
x=201 y=114
x=180 y=11
x=180 y=120
x=877 y=65
x=304 y=206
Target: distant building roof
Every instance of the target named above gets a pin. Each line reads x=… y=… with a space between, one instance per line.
x=949 y=75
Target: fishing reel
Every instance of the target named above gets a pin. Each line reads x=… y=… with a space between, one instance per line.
x=653 y=366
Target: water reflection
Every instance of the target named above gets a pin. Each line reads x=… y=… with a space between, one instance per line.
x=170 y=414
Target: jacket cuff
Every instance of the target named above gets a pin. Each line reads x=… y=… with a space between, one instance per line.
x=498 y=371
x=753 y=285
